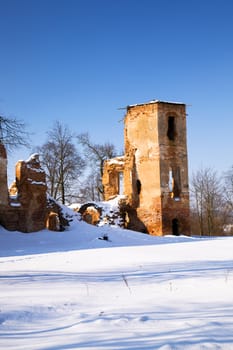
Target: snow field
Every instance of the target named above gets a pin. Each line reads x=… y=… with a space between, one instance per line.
x=132 y=292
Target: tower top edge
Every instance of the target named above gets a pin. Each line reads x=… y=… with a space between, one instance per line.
x=155 y=102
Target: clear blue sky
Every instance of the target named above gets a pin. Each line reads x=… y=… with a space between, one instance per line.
x=78 y=61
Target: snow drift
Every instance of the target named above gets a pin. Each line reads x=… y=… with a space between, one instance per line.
x=76 y=290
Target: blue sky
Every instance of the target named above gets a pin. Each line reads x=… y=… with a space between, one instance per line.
x=79 y=61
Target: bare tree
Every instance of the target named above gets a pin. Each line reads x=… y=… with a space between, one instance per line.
x=12 y=133
x=197 y=192
x=88 y=190
x=61 y=161
x=96 y=154
x=208 y=202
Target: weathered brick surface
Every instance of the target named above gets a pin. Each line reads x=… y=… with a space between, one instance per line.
x=110 y=179
x=156 y=167
x=3 y=176
x=31 y=185
x=25 y=209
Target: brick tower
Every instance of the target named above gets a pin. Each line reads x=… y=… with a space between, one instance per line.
x=156 y=166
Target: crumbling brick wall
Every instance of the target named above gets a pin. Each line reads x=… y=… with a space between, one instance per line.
x=26 y=207
x=3 y=176
x=113 y=169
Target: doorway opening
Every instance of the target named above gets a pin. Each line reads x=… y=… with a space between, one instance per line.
x=175 y=227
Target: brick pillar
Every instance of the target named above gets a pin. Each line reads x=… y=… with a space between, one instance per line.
x=3 y=176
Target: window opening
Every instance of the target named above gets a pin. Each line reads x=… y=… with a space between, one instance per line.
x=139 y=186
x=171 y=130
x=177 y=183
x=170 y=181
x=120 y=183
x=174 y=183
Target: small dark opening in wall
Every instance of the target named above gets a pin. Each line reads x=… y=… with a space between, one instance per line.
x=139 y=186
x=175 y=227
x=171 y=130
x=174 y=182
x=177 y=182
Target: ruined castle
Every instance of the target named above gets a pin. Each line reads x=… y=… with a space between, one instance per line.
x=25 y=207
x=152 y=177
x=153 y=173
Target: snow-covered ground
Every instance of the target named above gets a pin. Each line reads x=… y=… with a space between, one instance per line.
x=72 y=290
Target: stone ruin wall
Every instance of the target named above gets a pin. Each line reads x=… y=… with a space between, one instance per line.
x=110 y=179
x=25 y=207
x=149 y=156
x=174 y=157
x=3 y=177
x=142 y=165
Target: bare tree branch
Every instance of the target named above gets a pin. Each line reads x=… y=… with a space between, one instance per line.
x=208 y=201
x=96 y=155
x=12 y=133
